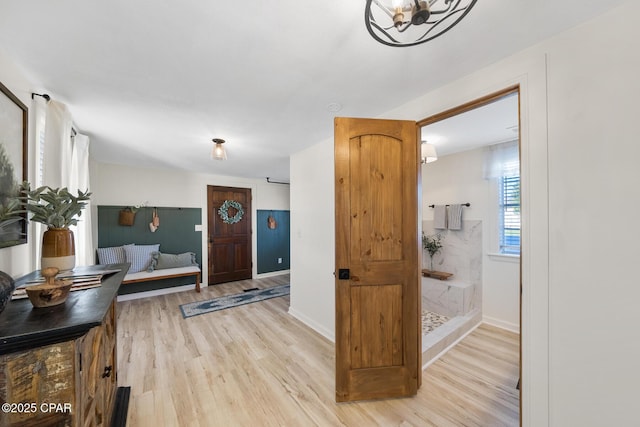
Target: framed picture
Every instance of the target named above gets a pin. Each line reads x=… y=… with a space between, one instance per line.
x=13 y=167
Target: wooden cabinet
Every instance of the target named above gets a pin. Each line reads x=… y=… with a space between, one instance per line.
x=69 y=382
x=97 y=373
x=35 y=377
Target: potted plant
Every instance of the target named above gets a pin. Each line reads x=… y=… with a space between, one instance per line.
x=432 y=244
x=58 y=209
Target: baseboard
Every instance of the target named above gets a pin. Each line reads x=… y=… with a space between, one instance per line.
x=512 y=327
x=272 y=274
x=156 y=292
x=330 y=335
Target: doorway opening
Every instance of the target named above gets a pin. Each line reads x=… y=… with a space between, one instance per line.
x=477 y=146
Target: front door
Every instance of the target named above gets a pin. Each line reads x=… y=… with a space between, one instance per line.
x=229 y=229
x=377 y=288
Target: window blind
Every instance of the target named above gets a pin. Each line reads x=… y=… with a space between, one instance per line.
x=510 y=215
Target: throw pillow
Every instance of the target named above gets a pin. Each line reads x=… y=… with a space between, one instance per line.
x=139 y=256
x=162 y=261
x=113 y=255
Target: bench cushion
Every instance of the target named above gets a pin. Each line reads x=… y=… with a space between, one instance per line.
x=159 y=274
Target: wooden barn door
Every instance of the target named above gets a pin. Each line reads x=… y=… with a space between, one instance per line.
x=377 y=284
x=229 y=254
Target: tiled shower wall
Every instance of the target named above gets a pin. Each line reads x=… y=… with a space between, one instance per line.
x=461 y=254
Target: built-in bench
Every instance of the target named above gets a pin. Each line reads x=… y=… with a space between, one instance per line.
x=178 y=233
x=450 y=298
x=159 y=275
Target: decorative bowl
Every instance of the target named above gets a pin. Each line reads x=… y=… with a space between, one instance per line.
x=51 y=293
x=46 y=295
x=7 y=285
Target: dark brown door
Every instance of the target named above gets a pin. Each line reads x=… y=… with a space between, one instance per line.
x=229 y=234
x=377 y=259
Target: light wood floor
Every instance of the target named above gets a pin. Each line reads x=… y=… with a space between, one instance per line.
x=256 y=365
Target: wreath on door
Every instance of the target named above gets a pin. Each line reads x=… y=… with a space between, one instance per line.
x=224 y=212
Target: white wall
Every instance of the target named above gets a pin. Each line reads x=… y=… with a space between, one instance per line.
x=593 y=205
x=458 y=178
x=313 y=238
x=125 y=185
x=579 y=186
x=17 y=260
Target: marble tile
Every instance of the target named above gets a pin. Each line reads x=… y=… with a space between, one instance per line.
x=447 y=297
x=459 y=298
x=442 y=337
x=461 y=254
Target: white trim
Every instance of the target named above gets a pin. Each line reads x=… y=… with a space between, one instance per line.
x=495 y=256
x=498 y=323
x=272 y=274
x=330 y=335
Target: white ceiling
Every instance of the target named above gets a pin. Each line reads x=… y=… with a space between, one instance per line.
x=487 y=125
x=152 y=82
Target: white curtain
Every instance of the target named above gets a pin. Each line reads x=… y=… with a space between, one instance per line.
x=39 y=109
x=65 y=163
x=57 y=145
x=79 y=180
x=501 y=160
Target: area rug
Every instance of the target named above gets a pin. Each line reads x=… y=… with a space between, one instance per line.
x=216 y=304
x=431 y=321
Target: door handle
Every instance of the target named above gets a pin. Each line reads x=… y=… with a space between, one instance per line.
x=344 y=274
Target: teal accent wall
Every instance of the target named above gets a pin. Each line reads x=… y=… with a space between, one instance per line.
x=175 y=235
x=273 y=244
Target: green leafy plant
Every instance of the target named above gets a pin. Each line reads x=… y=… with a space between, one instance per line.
x=53 y=207
x=432 y=244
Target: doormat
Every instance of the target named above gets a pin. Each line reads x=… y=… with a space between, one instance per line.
x=216 y=304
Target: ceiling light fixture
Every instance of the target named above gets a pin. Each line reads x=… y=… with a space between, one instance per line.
x=411 y=22
x=218 y=152
x=428 y=152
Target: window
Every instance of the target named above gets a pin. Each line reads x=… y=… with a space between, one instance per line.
x=509 y=193
x=502 y=168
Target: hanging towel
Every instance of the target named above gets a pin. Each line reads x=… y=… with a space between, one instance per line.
x=455 y=217
x=440 y=216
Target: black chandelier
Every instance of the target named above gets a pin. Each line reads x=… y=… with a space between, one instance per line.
x=411 y=22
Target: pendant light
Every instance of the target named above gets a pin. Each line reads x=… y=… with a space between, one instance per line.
x=410 y=22
x=218 y=152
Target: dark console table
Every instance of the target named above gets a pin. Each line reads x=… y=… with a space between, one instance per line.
x=58 y=365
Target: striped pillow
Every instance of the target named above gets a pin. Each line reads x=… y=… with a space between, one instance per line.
x=139 y=256
x=113 y=255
